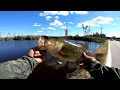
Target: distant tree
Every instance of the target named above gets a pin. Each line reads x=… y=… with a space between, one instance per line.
x=76 y=35
x=96 y=34
x=113 y=37
x=103 y=35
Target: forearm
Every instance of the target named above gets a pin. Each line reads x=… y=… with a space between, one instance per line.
x=19 y=69
x=100 y=71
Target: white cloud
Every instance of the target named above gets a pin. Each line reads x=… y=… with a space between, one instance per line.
x=97 y=21
x=64 y=27
x=102 y=20
x=40 y=31
x=64 y=22
x=112 y=33
x=51 y=28
x=56 y=17
x=36 y=25
x=45 y=13
x=56 y=23
x=70 y=22
x=64 y=13
x=42 y=28
x=41 y=14
x=48 y=17
x=79 y=12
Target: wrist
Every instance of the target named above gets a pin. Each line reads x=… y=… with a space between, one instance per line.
x=89 y=65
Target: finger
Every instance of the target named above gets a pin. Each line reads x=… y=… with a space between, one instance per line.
x=39 y=60
x=37 y=55
x=86 y=56
x=37 y=52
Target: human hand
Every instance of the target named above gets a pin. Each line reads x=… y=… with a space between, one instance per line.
x=37 y=55
x=87 y=60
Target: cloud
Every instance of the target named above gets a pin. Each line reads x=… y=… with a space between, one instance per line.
x=64 y=22
x=51 y=28
x=36 y=25
x=64 y=27
x=56 y=23
x=42 y=28
x=56 y=17
x=48 y=17
x=79 y=12
x=70 y=22
x=40 y=31
x=45 y=13
x=113 y=33
x=97 y=21
x=64 y=13
x=41 y=14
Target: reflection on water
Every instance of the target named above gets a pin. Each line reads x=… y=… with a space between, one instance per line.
x=13 y=49
x=91 y=45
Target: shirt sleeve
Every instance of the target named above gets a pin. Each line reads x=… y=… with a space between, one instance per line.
x=17 y=69
x=100 y=71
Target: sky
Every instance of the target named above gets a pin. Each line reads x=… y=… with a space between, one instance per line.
x=54 y=23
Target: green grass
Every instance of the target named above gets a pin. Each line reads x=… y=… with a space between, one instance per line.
x=88 y=38
x=27 y=37
x=101 y=53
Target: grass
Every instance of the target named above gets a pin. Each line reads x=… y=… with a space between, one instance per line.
x=88 y=38
x=101 y=53
x=26 y=37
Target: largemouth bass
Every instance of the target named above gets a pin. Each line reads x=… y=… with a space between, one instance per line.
x=61 y=49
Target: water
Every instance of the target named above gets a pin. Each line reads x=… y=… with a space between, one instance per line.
x=91 y=45
x=14 y=49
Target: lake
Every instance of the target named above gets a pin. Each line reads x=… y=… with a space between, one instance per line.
x=14 y=49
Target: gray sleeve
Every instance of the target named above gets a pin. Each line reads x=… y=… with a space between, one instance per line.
x=17 y=69
x=100 y=71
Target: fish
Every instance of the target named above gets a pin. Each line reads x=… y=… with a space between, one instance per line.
x=61 y=49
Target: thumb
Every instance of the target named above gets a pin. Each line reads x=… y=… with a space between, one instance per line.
x=86 y=56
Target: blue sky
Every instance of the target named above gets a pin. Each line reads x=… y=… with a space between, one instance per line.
x=54 y=22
